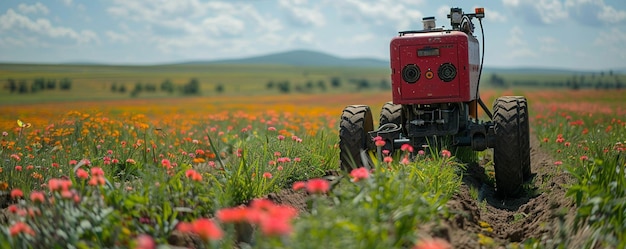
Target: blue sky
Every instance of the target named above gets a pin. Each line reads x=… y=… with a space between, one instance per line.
x=572 y=34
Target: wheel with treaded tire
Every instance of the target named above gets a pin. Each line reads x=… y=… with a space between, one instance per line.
x=512 y=146
x=525 y=132
x=391 y=113
x=356 y=122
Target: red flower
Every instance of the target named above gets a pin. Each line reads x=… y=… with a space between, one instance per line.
x=299 y=185
x=558 y=163
x=37 y=197
x=232 y=215
x=317 y=186
x=194 y=175
x=406 y=147
x=584 y=158
x=434 y=243
x=206 y=229
x=13 y=208
x=360 y=173
x=184 y=227
x=97 y=171
x=21 y=227
x=267 y=175
x=17 y=193
x=166 y=163
x=82 y=174
x=271 y=226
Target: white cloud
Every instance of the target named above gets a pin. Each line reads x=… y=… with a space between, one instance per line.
x=117 y=37
x=594 y=12
x=223 y=24
x=539 y=12
x=300 y=13
x=549 y=44
x=185 y=24
x=67 y=2
x=612 y=41
x=518 y=47
x=12 y=21
x=33 y=9
x=385 y=14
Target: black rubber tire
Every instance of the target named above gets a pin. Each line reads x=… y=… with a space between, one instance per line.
x=391 y=113
x=356 y=122
x=525 y=133
x=511 y=151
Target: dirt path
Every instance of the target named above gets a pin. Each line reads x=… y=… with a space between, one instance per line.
x=541 y=213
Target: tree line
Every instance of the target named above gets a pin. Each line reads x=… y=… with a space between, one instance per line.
x=285 y=86
x=22 y=86
x=594 y=80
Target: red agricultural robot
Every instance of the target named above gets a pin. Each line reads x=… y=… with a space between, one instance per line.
x=435 y=75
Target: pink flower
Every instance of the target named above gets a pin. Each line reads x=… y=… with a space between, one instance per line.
x=281 y=137
x=584 y=158
x=144 y=241
x=360 y=173
x=405 y=161
x=73 y=162
x=378 y=141
x=317 y=186
x=388 y=159
x=433 y=243
x=446 y=153
x=421 y=152
x=166 y=163
x=271 y=128
x=558 y=163
x=18 y=168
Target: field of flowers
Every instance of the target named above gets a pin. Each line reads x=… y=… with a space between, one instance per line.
x=194 y=172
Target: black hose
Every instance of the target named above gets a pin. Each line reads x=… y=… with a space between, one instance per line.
x=480 y=72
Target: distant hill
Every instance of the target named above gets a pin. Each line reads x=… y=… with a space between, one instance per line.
x=301 y=58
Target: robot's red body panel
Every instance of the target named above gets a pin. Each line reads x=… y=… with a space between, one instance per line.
x=434 y=67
